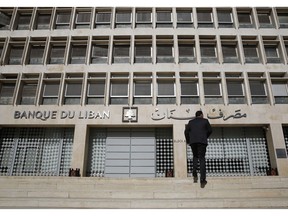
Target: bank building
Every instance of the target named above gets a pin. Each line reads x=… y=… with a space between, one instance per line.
x=107 y=91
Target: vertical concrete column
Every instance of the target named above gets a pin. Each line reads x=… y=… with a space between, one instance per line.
x=277 y=148
x=79 y=143
x=179 y=146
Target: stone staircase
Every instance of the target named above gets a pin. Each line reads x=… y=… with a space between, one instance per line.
x=85 y=192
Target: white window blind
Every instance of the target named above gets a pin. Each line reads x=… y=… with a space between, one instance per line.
x=279 y=88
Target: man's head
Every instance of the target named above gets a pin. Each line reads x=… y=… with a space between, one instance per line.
x=198 y=114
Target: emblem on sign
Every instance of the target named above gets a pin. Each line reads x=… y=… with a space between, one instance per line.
x=130 y=114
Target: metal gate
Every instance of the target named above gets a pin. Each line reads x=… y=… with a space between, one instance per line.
x=235 y=152
x=130 y=153
x=35 y=151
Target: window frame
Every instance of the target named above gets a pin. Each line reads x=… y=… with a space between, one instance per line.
x=57 y=97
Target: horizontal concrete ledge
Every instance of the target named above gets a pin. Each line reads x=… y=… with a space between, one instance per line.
x=146 y=203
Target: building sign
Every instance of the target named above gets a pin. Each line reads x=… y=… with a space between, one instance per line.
x=53 y=114
x=218 y=114
x=187 y=115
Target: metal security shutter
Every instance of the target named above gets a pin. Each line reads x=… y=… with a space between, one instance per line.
x=117 y=153
x=130 y=153
x=143 y=154
x=125 y=153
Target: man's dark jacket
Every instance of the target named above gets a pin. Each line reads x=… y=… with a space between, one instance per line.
x=197 y=131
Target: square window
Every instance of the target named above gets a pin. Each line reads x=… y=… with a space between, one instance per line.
x=43 y=21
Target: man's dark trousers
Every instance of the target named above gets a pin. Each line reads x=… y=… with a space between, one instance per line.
x=199 y=151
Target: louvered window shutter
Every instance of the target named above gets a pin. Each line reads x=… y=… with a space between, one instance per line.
x=79 y=51
x=51 y=89
x=7 y=89
x=166 y=89
x=143 y=89
x=73 y=89
x=204 y=17
x=164 y=16
x=96 y=89
x=250 y=51
x=188 y=88
x=234 y=88
x=121 y=50
x=244 y=18
x=257 y=88
x=143 y=50
x=119 y=89
x=103 y=17
x=16 y=52
x=184 y=17
x=57 y=51
x=100 y=51
x=186 y=50
x=143 y=16
x=164 y=50
x=37 y=52
x=229 y=50
x=83 y=17
x=123 y=17
x=212 y=88
x=224 y=17
x=208 y=51
x=29 y=90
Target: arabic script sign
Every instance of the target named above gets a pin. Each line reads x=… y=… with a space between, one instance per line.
x=170 y=114
x=212 y=114
x=218 y=114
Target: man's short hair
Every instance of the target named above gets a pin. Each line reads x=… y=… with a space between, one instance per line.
x=198 y=113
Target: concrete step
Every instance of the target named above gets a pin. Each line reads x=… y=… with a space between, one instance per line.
x=84 y=192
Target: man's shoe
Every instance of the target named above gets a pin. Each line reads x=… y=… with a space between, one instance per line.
x=203 y=183
x=195 y=178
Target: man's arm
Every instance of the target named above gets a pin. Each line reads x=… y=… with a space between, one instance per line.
x=186 y=133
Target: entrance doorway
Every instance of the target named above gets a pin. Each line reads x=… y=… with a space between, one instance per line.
x=130 y=152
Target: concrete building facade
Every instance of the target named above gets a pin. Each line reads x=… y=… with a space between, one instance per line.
x=109 y=90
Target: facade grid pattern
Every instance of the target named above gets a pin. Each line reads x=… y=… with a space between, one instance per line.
x=152 y=58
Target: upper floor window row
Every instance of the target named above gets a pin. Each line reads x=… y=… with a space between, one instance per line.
x=143 y=49
x=79 y=18
x=143 y=88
